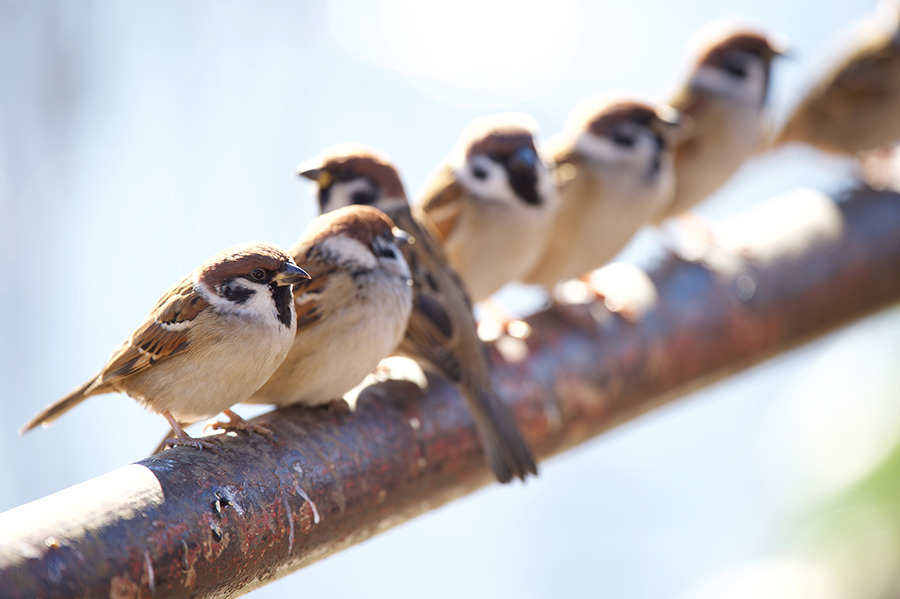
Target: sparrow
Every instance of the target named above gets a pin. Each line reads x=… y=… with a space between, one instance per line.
x=440 y=334
x=855 y=106
x=351 y=314
x=209 y=342
x=614 y=170
x=493 y=195
x=724 y=99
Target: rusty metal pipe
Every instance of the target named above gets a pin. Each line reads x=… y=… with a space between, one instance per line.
x=195 y=523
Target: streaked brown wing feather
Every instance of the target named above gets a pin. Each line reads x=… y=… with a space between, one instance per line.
x=307 y=294
x=164 y=334
x=443 y=202
x=432 y=333
x=862 y=80
x=308 y=313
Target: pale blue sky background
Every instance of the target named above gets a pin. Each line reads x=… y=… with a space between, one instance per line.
x=137 y=138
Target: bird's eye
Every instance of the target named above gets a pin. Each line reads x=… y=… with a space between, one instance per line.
x=623 y=139
x=382 y=248
x=258 y=274
x=384 y=251
x=736 y=67
x=479 y=172
x=363 y=197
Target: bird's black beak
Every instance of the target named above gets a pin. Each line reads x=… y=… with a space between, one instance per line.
x=290 y=273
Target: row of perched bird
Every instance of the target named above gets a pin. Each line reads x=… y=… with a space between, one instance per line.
x=378 y=276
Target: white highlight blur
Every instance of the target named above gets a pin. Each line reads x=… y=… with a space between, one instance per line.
x=838 y=420
x=781 y=577
x=483 y=44
x=787 y=224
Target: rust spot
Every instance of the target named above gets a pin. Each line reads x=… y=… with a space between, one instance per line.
x=122 y=587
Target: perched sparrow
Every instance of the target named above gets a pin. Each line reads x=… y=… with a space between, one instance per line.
x=351 y=314
x=855 y=107
x=492 y=202
x=209 y=342
x=724 y=99
x=441 y=333
x=614 y=172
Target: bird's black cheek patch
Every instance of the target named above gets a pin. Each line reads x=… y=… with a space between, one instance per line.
x=236 y=293
x=656 y=164
x=324 y=196
x=283 y=300
x=525 y=186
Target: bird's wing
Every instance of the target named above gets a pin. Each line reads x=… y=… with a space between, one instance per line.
x=442 y=200
x=308 y=294
x=165 y=333
x=864 y=78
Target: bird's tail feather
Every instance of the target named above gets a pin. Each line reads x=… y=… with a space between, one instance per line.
x=57 y=409
x=506 y=451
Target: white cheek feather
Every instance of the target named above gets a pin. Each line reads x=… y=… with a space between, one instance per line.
x=598 y=149
x=605 y=151
x=396 y=265
x=261 y=303
x=258 y=306
x=341 y=194
x=495 y=187
x=204 y=290
x=349 y=250
x=645 y=149
x=749 y=90
x=665 y=181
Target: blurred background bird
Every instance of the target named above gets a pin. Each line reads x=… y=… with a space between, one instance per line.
x=613 y=166
x=173 y=128
x=853 y=108
x=493 y=203
x=208 y=343
x=724 y=96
